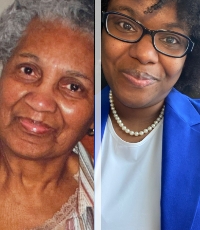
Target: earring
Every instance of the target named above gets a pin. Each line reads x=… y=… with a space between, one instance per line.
x=90 y=132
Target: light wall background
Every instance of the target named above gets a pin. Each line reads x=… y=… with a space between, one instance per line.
x=4 y=4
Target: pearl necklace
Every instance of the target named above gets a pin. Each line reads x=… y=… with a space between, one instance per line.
x=128 y=131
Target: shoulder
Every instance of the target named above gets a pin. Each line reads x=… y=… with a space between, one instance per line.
x=175 y=99
x=86 y=163
x=183 y=107
x=86 y=182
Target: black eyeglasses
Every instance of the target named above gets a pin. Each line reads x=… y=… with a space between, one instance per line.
x=127 y=29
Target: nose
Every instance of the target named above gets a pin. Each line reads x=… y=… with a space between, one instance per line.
x=41 y=101
x=144 y=51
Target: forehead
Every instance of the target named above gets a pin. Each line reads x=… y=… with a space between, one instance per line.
x=49 y=33
x=56 y=44
x=165 y=17
x=142 y=3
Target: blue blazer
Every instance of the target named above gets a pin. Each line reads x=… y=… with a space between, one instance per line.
x=180 y=191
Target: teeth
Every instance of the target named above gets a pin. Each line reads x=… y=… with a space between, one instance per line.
x=35 y=122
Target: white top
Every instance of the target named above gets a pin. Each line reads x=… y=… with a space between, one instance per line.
x=131 y=181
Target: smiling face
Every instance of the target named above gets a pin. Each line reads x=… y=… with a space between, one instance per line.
x=138 y=75
x=47 y=92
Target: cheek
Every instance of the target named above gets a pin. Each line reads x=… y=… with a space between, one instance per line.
x=67 y=110
x=173 y=67
x=11 y=91
x=10 y=95
x=109 y=55
x=108 y=48
x=77 y=115
x=114 y=53
x=8 y=92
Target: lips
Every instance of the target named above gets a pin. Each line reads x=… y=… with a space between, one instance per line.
x=139 y=79
x=35 y=127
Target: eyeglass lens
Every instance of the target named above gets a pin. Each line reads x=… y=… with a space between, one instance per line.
x=129 y=30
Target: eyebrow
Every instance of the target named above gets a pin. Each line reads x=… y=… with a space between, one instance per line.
x=73 y=73
x=132 y=13
x=29 y=55
x=173 y=25
x=124 y=8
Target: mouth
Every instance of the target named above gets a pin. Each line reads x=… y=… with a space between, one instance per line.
x=35 y=127
x=139 y=79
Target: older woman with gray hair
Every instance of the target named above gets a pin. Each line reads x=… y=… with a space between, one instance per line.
x=46 y=98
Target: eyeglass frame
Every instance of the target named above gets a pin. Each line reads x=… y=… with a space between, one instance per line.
x=152 y=33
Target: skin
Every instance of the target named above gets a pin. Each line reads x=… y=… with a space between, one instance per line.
x=88 y=142
x=46 y=96
x=139 y=106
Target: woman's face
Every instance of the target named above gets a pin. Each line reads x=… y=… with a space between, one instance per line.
x=47 y=92
x=129 y=66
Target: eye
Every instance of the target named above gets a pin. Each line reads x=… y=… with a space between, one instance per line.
x=27 y=70
x=126 y=26
x=73 y=87
x=28 y=73
x=170 y=40
x=121 y=23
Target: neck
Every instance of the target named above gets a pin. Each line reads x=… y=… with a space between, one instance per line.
x=37 y=174
x=134 y=119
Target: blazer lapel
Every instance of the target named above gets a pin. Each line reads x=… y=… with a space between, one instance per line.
x=180 y=163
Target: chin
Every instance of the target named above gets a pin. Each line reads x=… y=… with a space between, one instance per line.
x=29 y=150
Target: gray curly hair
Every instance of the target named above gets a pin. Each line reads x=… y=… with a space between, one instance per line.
x=15 y=19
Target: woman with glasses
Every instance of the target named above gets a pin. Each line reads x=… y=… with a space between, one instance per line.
x=150 y=159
